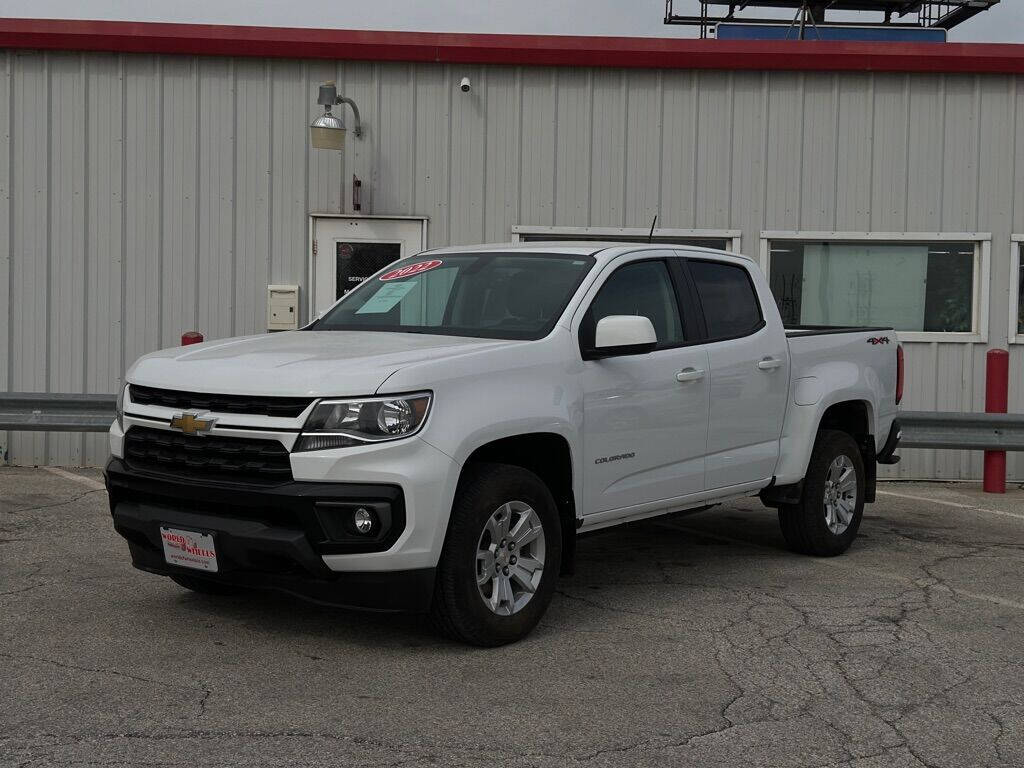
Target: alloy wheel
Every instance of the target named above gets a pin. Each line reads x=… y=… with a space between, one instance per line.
x=510 y=558
x=840 y=494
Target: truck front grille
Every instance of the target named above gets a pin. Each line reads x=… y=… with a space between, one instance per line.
x=286 y=407
x=231 y=459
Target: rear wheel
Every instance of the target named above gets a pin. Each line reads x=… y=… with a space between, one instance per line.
x=826 y=520
x=205 y=586
x=500 y=559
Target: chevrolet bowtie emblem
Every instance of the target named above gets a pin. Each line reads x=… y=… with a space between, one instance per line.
x=190 y=425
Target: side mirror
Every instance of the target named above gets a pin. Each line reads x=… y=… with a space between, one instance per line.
x=624 y=335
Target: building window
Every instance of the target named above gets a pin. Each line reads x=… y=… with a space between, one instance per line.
x=924 y=289
x=1020 y=289
x=722 y=240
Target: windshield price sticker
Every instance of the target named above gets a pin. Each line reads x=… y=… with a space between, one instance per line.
x=386 y=297
x=412 y=269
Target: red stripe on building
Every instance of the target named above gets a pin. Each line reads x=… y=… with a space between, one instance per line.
x=556 y=50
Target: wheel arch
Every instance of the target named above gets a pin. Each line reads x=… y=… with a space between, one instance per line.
x=843 y=413
x=855 y=417
x=549 y=456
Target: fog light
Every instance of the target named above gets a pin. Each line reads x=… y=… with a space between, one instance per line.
x=362 y=519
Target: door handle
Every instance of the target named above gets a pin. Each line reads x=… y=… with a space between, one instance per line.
x=690 y=374
x=769 y=364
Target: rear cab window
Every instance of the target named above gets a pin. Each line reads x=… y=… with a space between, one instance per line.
x=728 y=299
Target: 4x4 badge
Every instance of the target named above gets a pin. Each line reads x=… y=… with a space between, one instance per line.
x=878 y=340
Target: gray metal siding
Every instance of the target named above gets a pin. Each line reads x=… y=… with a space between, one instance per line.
x=168 y=191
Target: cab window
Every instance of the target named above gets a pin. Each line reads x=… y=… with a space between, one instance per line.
x=727 y=296
x=640 y=288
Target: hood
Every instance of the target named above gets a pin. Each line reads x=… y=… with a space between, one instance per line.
x=297 y=363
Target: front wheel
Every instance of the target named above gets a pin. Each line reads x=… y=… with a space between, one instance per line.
x=500 y=559
x=826 y=519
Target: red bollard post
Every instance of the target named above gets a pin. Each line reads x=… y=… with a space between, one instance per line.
x=191 y=337
x=997 y=387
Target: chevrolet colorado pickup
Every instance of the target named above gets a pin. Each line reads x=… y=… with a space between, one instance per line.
x=438 y=438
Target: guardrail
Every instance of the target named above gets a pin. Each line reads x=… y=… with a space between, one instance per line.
x=962 y=431
x=51 y=412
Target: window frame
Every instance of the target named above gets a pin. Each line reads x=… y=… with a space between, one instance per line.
x=707 y=338
x=733 y=236
x=681 y=288
x=982 y=271
x=1014 y=335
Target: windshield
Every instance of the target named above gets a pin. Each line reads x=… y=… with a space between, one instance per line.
x=490 y=295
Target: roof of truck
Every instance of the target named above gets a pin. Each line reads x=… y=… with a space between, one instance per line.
x=602 y=249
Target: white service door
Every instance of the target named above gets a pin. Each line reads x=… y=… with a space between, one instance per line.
x=351 y=248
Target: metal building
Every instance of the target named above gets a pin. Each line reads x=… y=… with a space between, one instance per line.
x=157 y=178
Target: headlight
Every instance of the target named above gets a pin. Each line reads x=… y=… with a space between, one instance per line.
x=344 y=423
x=119 y=407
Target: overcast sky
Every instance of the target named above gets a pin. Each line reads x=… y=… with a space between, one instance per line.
x=1004 y=23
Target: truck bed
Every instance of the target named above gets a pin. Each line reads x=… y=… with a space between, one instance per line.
x=821 y=330
x=837 y=364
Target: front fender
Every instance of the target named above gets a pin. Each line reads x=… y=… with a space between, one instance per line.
x=564 y=422
x=520 y=389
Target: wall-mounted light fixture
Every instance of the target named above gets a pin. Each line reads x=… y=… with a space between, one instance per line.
x=328 y=130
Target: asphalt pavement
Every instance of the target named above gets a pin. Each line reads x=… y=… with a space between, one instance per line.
x=688 y=641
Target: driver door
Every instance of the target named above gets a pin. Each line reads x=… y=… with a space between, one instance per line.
x=645 y=416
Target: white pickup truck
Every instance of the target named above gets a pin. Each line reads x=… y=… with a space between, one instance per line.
x=438 y=438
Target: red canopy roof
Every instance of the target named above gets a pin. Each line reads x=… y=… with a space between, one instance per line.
x=302 y=43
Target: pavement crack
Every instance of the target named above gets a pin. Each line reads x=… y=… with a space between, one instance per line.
x=79 y=497
x=203 y=698
x=205 y=694
x=22 y=590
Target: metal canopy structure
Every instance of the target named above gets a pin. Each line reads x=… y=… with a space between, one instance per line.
x=941 y=14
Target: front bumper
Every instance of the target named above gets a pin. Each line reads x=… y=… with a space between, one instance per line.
x=270 y=537
x=427 y=477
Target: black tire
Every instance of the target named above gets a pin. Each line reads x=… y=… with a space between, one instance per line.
x=804 y=524
x=205 y=586
x=458 y=610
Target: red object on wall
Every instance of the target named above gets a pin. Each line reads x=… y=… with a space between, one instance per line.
x=539 y=50
x=997 y=388
x=191 y=337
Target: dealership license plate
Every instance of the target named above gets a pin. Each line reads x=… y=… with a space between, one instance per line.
x=189 y=549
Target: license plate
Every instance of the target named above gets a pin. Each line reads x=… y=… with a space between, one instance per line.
x=189 y=549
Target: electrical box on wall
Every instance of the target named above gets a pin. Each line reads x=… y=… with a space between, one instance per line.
x=282 y=307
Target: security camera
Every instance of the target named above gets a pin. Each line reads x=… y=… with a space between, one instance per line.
x=465 y=85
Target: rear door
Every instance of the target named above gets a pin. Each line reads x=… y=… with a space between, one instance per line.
x=748 y=362
x=645 y=415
